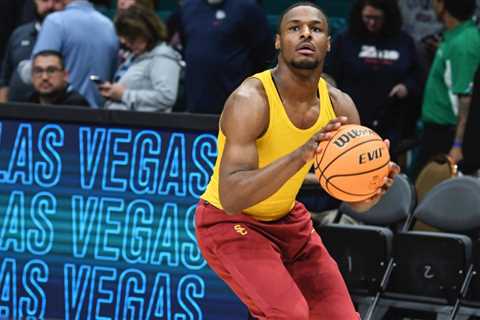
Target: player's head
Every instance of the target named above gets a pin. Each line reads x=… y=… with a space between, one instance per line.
x=303 y=37
x=375 y=17
x=459 y=9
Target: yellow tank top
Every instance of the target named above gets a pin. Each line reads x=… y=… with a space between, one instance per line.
x=281 y=138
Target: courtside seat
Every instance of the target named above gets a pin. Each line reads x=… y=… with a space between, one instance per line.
x=393 y=209
x=473 y=299
x=429 y=271
x=362 y=254
x=452 y=206
x=429 y=266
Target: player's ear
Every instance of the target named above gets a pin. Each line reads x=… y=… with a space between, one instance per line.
x=277 y=42
x=329 y=44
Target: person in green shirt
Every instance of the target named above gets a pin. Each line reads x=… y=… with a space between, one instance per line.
x=448 y=89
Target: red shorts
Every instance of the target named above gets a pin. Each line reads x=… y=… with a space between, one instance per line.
x=279 y=269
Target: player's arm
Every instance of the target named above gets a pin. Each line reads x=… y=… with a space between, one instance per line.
x=343 y=105
x=245 y=119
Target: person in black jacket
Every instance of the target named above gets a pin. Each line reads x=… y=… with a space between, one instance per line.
x=471 y=154
x=19 y=48
x=50 y=81
x=376 y=63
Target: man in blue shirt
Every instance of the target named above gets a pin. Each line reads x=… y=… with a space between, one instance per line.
x=225 y=41
x=87 y=41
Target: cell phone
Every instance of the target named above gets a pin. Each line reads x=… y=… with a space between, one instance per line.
x=96 y=79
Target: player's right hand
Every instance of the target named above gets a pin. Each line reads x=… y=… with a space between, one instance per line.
x=312 y=146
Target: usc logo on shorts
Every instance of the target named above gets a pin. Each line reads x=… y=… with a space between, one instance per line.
x=240 y=229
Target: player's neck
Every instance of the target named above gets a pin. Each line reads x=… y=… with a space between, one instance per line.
x=300 y=85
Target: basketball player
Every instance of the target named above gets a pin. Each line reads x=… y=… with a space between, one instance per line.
x=249 y=228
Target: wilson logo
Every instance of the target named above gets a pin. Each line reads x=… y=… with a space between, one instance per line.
x=240 y=229
x=350 y=135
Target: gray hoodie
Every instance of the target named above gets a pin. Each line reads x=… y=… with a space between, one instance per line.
x=151 y=81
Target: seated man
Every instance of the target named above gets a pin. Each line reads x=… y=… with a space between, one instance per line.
x=50 y=81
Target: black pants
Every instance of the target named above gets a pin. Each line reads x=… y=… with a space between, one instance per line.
x=436 y=139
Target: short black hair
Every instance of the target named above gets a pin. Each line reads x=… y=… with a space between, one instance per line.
x=46 y=53
x=392 y=22
x=460 y=9
x=301 y=4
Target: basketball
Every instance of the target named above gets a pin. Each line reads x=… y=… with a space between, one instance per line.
x=352 y=164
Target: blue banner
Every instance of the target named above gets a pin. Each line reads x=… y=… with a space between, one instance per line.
x=97 y=222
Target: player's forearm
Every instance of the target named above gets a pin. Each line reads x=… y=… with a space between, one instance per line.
x=243 y=189
x=463 y=109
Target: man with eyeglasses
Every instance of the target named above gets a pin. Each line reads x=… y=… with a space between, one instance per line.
x=88 y=43
x=50 y=81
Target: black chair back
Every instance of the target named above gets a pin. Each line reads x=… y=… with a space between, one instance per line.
x=429 y=267
x=361 y=252
x=395 y=207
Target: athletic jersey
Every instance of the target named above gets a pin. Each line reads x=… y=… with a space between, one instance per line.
x=281 y=138
x=451 y=74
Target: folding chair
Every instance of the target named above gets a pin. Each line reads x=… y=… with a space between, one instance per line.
x=430 y=268
x=473 y=300
x=454 y=206
x=394 y=208
x=446 y=204
x=362 y=254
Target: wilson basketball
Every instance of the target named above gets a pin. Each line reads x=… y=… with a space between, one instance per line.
x=352 y=164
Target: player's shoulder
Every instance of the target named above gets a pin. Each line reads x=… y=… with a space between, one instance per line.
x=249 y=96
x=338 y=97
x=247 y=104
x=343 y=104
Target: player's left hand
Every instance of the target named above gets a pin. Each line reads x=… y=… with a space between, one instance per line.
x=365 y=205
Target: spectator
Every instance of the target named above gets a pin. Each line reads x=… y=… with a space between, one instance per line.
x=123 y=52
x=151 y=80
x=224 y=42
x=50 y=80
x=448 y=90
x=87 y=41
x=421 y=23
x=19 y=48
x=471 y=153
x=376 y=64
x=10 y=11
